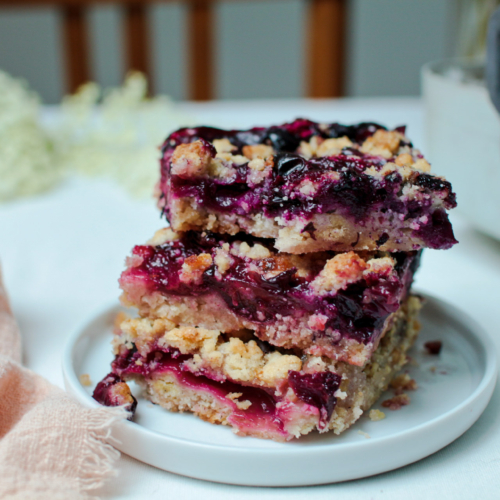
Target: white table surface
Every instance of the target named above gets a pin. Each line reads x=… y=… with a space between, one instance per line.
x=62 y=253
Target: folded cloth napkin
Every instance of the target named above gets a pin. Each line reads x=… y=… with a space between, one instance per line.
x=50 y=446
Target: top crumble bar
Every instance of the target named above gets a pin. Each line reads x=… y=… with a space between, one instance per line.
x=309 y=186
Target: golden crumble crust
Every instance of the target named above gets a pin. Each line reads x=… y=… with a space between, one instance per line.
x=222 y=258
x=163 y=236
x=254 y=252
x=403 y=159
x=332 y=147
x=308 y=149
x=339 y=272
x=257 y=151
x=194 y=267
x=223 y=146
x=382 y=266
x=382 y=143
x=238 y=360
x=190 y=160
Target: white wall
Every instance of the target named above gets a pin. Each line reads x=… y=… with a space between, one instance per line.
x=390 y=40
x=260 y=47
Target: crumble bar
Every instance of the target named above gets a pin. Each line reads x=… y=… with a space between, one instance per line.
x=308 y=186
x=256 y=389
x=330 y=304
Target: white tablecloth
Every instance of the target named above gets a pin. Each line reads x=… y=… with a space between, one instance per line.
x=62 y=253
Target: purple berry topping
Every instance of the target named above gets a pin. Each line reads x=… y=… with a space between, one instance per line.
x=316 y=389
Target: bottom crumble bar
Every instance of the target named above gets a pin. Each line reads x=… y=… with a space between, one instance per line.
x=255 y=388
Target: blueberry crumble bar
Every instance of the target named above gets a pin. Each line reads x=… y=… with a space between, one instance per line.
x=308 y=186
x=257 y=389
x=330 y=304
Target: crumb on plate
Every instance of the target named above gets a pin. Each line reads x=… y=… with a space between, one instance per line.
x=397 y=402
x=376 y=415
x=85 y=380
x=403 y=383
x=433 y=347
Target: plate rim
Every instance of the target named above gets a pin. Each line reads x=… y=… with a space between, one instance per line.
x=483 y=390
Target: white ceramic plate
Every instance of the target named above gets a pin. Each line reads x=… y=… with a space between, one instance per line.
x=454 y=389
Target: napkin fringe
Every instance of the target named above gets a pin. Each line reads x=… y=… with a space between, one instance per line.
x=99 y=455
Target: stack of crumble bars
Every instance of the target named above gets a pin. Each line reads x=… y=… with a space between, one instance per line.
x=278 y=301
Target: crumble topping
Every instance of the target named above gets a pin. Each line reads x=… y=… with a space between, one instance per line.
x=257 y=151
x=239 y=360
x=339 y=272
x=140 y=332
x=258 y=170
x=258 y=164
x=256 y=252
x=317 y=322
x=277 y=367
x=380 y=266
x=230 y=158
x=422 y=165
x=122 y=390
x=382 y=143
x=223 y=146
x=220 y=168
x=194 y=267
x=241 y=405
x=308 y=187
x=191 y=160
x=222 y=259
x=163 y=236
x=188 y=339
x=308 y=149
x=404 y=159
x=332 y=147
x=314 y=364
x=319 y=147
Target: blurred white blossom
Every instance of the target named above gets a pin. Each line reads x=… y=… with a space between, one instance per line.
x=118 y=137
x=27 y=161
x=114 y=133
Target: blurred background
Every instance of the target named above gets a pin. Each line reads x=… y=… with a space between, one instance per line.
x=258 y=49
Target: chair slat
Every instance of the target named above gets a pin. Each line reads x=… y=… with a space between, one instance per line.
x=325 y=44
x=326 y=34
x=200 y=50
x=76 y=46
x=137 y=47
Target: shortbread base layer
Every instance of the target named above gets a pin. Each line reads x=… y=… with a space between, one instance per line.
x=321 y=232
x=251 y=388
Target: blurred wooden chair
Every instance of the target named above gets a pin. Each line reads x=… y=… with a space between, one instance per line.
x=324 y=45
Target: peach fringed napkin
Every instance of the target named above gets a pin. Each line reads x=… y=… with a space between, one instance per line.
x=50 y=446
